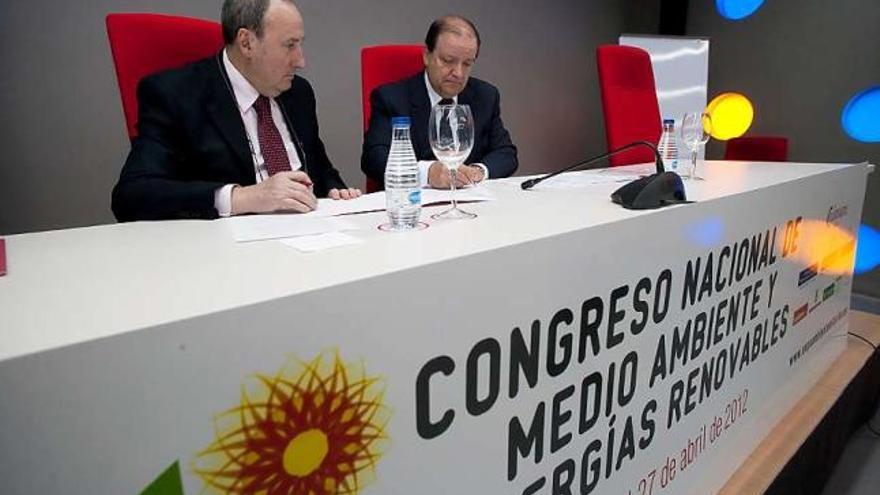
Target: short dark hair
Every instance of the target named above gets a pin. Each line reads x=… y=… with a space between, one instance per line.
x=247 y=14
x=447 y=24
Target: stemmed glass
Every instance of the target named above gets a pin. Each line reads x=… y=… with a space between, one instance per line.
x=695 y=129
x=451 y=133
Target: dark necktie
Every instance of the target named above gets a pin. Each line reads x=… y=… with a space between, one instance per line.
x=271 y=144
x=447 y=101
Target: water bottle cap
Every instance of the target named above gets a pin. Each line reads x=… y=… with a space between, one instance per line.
x=668 y=121
x=399 y=121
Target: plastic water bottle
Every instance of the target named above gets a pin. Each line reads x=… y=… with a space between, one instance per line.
x=403 y=193
x=668 y=146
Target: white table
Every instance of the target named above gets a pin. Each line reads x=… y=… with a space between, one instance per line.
x=120 y=344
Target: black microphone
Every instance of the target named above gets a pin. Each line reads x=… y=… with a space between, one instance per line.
x=528 y=184
x=652 y=191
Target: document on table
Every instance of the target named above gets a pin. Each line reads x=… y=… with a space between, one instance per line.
x=476 y=193
x=320 y=242
x=333 y=207
x=261 y=227
x=573 y=180
x=376 y=201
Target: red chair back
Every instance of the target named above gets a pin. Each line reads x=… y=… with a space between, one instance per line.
x=381 y=65
x=385 y=64
x=629 y=101
x=2 y=257
x=143 y=44
x=757 y=149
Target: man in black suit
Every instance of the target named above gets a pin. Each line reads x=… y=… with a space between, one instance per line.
x=232 y=134
x=451 y=48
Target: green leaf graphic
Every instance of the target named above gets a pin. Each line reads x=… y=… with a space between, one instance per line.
x=168 y=483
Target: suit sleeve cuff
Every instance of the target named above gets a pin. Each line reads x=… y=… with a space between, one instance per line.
x=223 y=200
x=424 y=165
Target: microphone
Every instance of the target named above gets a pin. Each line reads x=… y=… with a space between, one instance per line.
x=530 y=183
x=659 y=189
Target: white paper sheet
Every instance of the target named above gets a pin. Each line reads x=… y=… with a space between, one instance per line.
x=574 y=180
x=332 y=207
x=320 y=242
x=376 y=201
x=476 y=193
x=261 y=227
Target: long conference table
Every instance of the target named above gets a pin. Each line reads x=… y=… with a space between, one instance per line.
x=557 y=344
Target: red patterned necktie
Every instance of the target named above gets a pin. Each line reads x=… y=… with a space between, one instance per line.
x=271 y=145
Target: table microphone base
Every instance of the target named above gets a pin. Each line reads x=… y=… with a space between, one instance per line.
x=650 y=192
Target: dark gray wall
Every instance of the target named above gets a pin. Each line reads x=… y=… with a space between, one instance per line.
x=62 y=129
x=63 y=136
x=799 y=63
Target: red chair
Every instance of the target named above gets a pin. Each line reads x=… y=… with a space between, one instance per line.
x=381 y=65
x=757 y=149
x=629 y=101
x=143 y=44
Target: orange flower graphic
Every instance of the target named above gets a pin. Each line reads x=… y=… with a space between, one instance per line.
x=315 y=428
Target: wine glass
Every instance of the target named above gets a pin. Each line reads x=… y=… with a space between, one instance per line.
x=695 y=129
x=451 y=133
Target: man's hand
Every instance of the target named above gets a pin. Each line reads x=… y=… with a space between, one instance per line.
x=349 y=193
x=468 y=175
x=439 y=176
x=283 y=192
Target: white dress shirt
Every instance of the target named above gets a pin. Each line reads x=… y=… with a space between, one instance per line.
x=424 y=165
x=245 y=96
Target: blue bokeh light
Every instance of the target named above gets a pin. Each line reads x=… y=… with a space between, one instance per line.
x=737 y=9
x=868 y=249
x=861 y=116
x=707 y=232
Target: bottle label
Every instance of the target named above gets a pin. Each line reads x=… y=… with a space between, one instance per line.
x=415 y=197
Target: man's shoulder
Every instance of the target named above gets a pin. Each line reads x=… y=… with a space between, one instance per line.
x=187 y=78
x=300 y=85
x=299 y=94
x=401 y=86
x=482 y=87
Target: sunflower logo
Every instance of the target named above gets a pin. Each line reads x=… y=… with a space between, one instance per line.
x=315 y=428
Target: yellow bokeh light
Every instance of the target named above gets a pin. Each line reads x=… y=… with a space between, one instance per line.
x=827 y=247
x=731 y=114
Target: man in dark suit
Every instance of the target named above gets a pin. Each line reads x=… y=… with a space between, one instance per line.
x=232 y=134
x=451 y=48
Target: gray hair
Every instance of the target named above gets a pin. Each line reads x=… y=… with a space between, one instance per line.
x=247 y=14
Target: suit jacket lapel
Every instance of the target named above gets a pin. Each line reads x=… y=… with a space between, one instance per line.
x=469 y=98
x=226 y=117
x=285 y=101
x=420 y=112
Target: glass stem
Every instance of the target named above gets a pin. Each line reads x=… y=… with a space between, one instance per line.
x=452 y=186
x=694 y=161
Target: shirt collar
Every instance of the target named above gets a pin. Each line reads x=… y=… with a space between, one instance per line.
x=433 y=95
x=245 y=93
